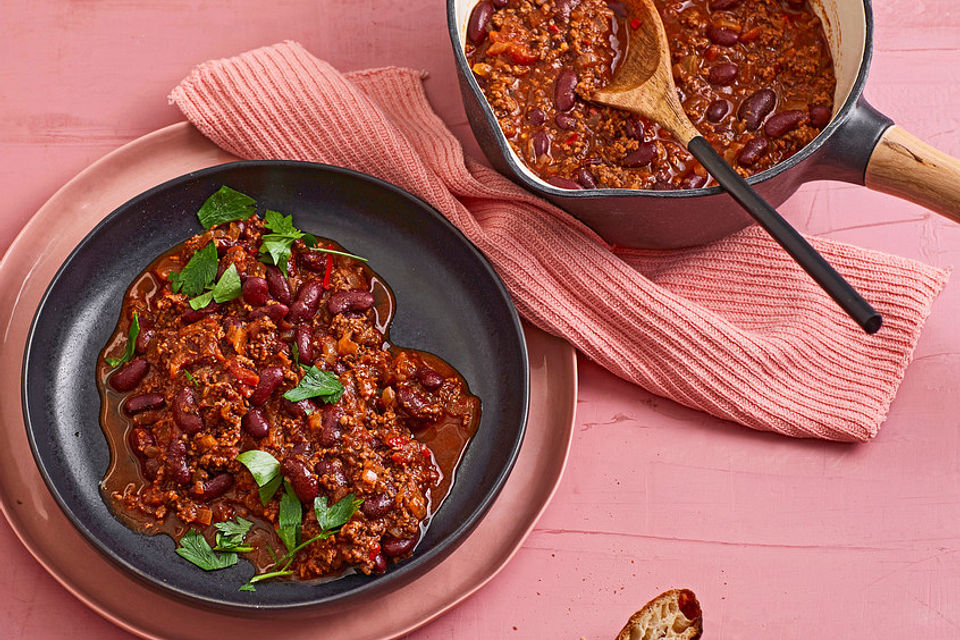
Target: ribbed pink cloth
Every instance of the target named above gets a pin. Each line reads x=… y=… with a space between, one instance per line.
x=735 y=328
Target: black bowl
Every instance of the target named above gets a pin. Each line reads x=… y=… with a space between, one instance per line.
x=449 y=302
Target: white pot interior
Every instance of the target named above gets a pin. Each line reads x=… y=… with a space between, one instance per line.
x=844 y=23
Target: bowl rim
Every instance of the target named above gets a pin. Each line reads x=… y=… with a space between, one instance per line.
x=414 y=567
x=529 y=181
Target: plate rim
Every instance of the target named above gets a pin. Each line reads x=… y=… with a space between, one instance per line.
x=422 y=563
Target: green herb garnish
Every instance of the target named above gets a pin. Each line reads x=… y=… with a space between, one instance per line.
x=337 y=515
x=198 y=274
x=289 y=518
x=276 y=246
x=195 y=548
x=265 y=470
x=190 y=377
x=131 y=343
x=225 y=205
x=230 y=535
x=330 y=520
x=339 y=253
x=295 y=352
x=316 y=383
x=228 y=288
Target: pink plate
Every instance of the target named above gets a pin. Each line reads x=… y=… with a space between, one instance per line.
x=25 y=271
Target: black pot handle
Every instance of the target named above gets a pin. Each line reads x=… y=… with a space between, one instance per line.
x=868 y=149
x=846 y=154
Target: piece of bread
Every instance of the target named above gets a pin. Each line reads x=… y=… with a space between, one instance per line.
x=672 y=615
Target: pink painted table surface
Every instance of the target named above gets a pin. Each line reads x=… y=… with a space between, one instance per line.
x=779 y=538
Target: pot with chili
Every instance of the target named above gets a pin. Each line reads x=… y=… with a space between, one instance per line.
x=775 y=85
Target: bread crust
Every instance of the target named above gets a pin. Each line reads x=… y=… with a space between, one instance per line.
x=672 y=615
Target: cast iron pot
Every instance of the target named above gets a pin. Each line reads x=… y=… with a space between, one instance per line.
x=860 y=146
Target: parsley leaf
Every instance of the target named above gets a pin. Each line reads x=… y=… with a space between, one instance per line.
x=330 y=518
x=131 y=343
x=316 y=383
x=201 y=301
x=228 y=288
x=200 y=272
x=276 y=246
x=290 y=517
x=339 y=253
x=224 y=206
x=230 y=535
x=263 y=466
x=195 y=548
x=265 y=470
x=267 y=490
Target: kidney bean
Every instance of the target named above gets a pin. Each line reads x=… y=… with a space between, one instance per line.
x=723 y=73
x=429 y=378
x=634 y=129
x=143 y=402
x=255 y=291
x=255 y=423
x=414 y=401
x=662 y=185
x=355 y=300
x=308 y=299
x=304 y=483
x=377 y=505
x=130 y=375
x=139 y=440
x=144 y=337
x=333 y=469
x=722 y=36
x=303 y=338
x=719 y=5
x=820 y=116
x=330 y=426
x=379 y=564
x=564 y=89
x=479 y=21
x=315 y=261
x=783 y=122
x=751 y=153
x=396 y=547
x=586 y=179
x=270 y=378
x=717 y=110
x=275 y=312
x=216 y=486
x=185 y=412
x=191 y=315
x=644 y=155
x=694 y=181
x=540 y=142
x=757 y=107
x=565 y=121
x=176 y=462
x=563 y=183
x=298 y=409
x=536 y=116
x=278 y=285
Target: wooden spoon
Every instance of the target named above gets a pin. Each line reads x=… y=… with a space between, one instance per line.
x=644 y=85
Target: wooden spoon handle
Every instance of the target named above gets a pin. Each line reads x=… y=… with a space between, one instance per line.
x=909 y=168
x=788 y=237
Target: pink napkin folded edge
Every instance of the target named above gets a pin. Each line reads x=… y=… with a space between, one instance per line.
x=733 y=328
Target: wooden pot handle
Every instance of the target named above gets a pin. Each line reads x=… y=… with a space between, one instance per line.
x=909 y=168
